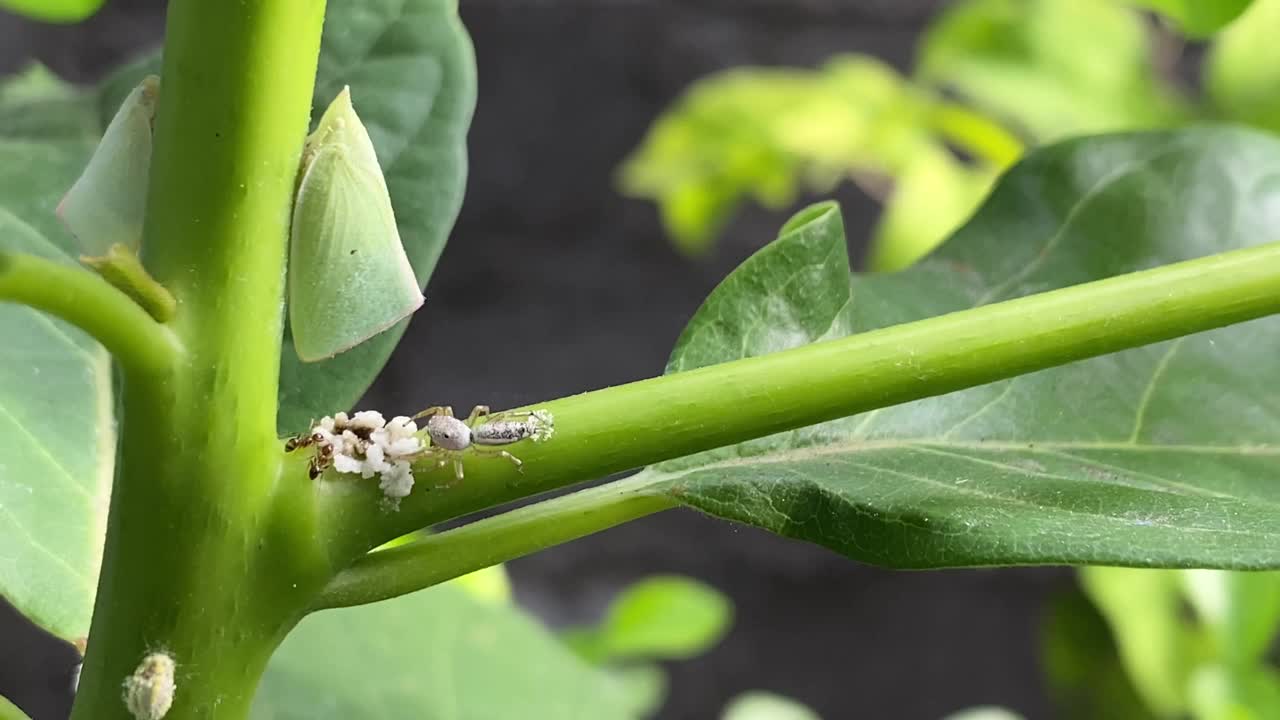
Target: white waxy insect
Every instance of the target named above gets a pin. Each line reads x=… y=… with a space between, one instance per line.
x=451 y=437
x=148 y=692
x=107 y=204
x=349 y=276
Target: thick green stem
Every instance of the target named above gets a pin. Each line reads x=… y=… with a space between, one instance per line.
x=614 y=429
x=435 y=559
x=138 y=342
x=201 y=559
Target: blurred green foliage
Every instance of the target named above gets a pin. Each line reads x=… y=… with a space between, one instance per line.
x=664 y=617
x=758 y=705
x=991 y=78
x=1192 y=643
x=57 y=11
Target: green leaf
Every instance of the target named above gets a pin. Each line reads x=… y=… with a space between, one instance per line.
x=932 y=196
x=1241 y=611
x=764 y=133
x=9 y=711
x=1197 y=18
x=57 y=456
x=59 y=11
x=35 y=104
x=757 y=705
x=1157 y=648
x=411 y=68
x=1053 y=67
x=1242 y=70
x=1082 y=667
x=1115 y=460
x=433 y=654
x=660 y=618
x=644 y=685
x=1222 y=692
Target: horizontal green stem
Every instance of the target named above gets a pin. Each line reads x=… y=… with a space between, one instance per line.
x=84 y=299
x=385 y=574
x=644 y=422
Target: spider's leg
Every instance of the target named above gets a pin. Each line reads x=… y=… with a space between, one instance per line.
x=445 y=410
x=477 y=412
x=500 y=453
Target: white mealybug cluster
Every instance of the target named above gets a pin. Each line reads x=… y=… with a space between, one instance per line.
x=148 y=692
x=366 y=444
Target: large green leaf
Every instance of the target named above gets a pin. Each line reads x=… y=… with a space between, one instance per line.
x=412 y=75
x=1197 y=18
x=1164 y=455
x=439 y=653
x=58 y=446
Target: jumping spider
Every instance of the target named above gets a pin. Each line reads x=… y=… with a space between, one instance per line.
x=451 y=437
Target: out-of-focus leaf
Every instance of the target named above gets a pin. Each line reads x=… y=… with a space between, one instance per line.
x=1241 y=610
x=1220 y=692
x=491 y=584
x=1052 y=67
x=1085 y=677
x=1158 y=648
x=57 y=459
x=932 y=196
x=758 y=705
x=662 y=617
x=985 y=713
x=35 y=104
x=644 y=685
x=1116 y=460
x=1197 y=18
x=765 y=133
x=56 y=11
x=9 y=711
x=438 y=653
x=1242 y=70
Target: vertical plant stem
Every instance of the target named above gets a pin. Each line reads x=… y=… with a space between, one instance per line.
x=199 y=561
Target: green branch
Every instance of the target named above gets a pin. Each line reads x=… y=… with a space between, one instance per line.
x=198 y=505
x=619 y=428
x=385 y=574
x=139 y=343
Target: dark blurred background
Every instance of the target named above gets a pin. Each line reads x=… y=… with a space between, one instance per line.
x=547 y=261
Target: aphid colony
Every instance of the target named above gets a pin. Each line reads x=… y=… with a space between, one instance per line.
x=367 y=444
